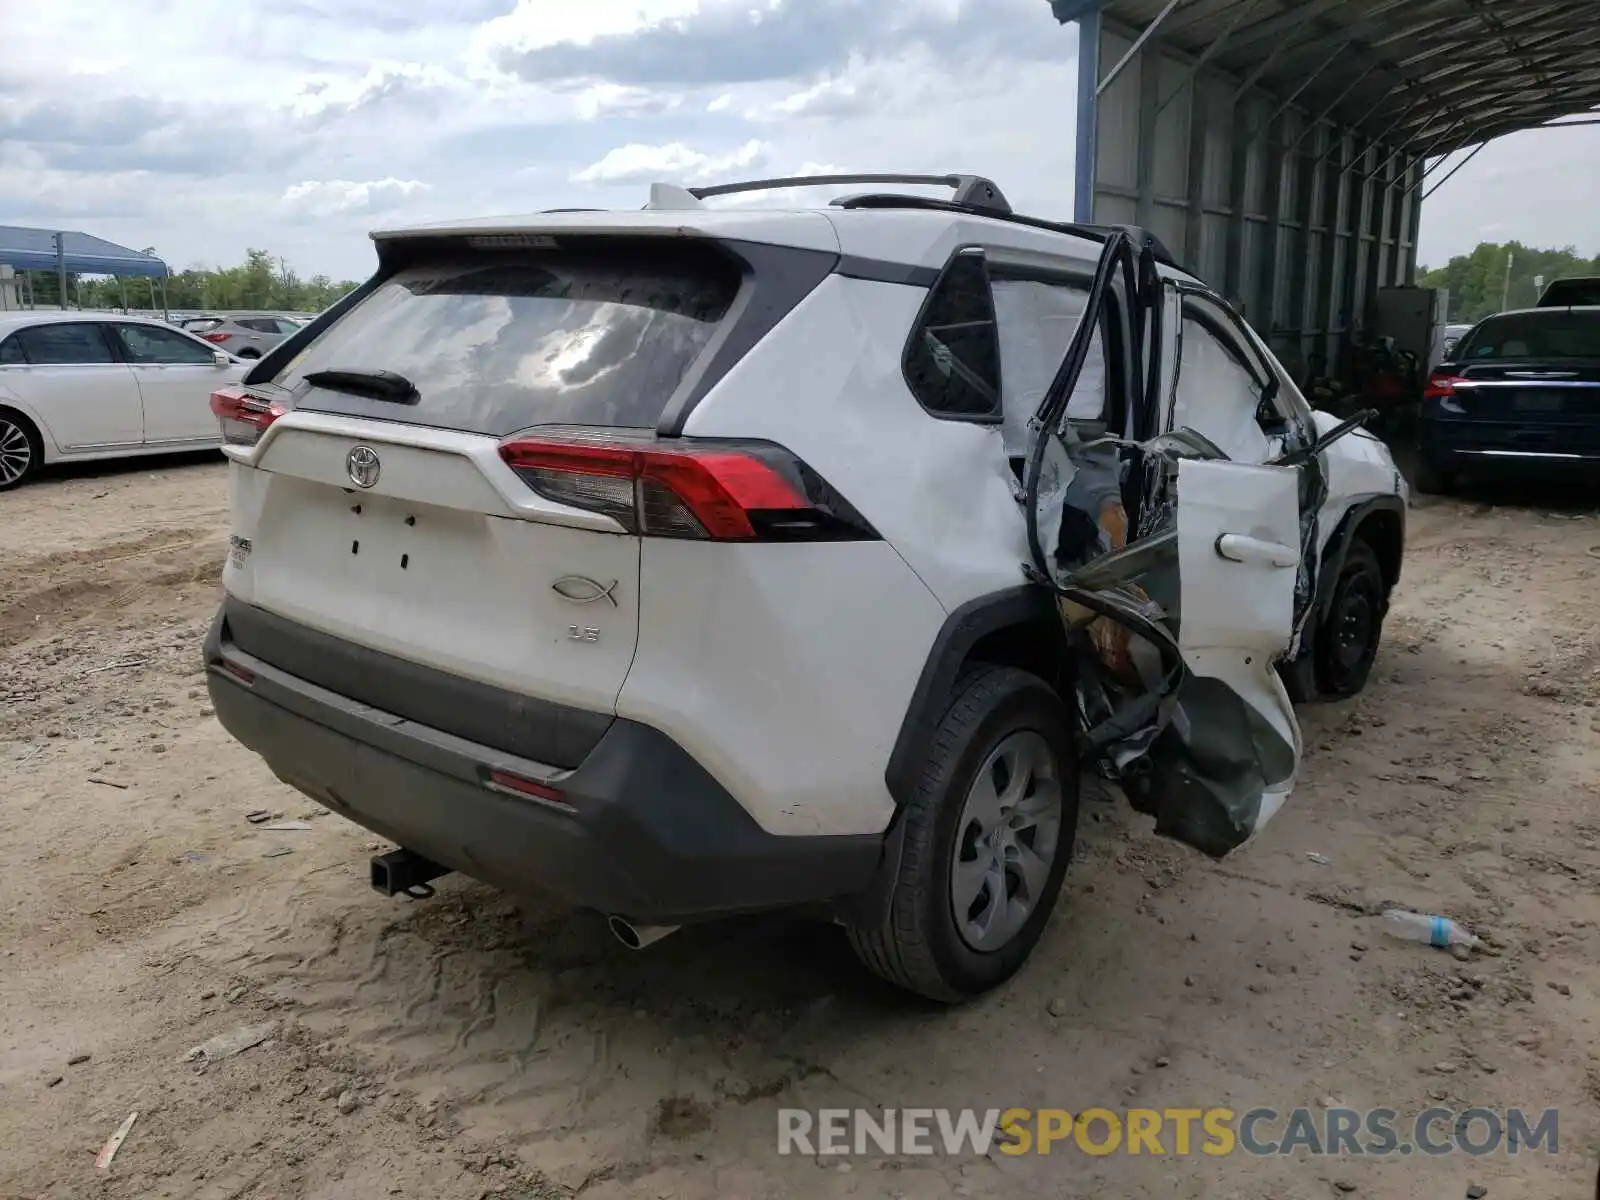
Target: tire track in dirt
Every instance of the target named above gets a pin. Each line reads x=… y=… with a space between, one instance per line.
x=62 y=592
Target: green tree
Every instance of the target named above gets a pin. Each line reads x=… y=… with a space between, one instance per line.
x=261 y=281
x=1477 y=281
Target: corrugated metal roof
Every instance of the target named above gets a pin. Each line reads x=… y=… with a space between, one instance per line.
x=1429 y=76
x=35 y=250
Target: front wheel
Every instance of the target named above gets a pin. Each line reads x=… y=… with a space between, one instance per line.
x=1347 y=640
x=988 y=836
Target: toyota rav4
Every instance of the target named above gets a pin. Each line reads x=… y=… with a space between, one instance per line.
x=695 y=561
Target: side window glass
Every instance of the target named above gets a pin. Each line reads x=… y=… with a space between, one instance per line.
x=1037 y=322
x=64 y=345
x=146 y=344
x=952 y=361
x=11 y=353
x=1219 y=392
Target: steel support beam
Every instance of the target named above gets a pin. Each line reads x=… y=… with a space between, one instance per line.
x=1088 y=114
x=1138 y=45
x=1476 y=150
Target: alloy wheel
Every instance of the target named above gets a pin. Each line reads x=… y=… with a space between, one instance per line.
x=16 y=452
x=1006 y=841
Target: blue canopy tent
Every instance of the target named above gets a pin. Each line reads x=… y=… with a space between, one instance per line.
x=68 y=251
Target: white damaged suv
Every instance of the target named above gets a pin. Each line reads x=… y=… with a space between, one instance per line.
x=692 y=561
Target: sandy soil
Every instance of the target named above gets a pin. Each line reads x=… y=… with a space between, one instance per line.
x=474 y=1046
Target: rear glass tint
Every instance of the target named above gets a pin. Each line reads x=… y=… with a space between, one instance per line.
x=1564 y=293
x=497 y=342
x=1534 y=335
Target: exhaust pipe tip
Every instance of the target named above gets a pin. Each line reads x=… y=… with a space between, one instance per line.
x=637 y=937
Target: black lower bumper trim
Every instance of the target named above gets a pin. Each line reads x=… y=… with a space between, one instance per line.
x=644 y=830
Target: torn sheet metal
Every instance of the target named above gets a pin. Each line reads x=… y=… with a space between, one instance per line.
x=1178 y=691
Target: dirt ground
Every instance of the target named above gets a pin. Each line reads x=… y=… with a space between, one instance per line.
x=472 y=1045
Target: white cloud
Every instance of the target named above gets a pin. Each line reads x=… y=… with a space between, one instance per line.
x=321 y=94
x=612 y=99
x=537 y=23
x=837 y=96
x=671 y=163
x=349 y=106
x=333 y=197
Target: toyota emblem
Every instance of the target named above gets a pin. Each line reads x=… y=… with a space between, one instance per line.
x=363 y=467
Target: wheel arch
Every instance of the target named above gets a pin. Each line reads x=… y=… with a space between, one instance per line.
x=1016 y=627
x=1381 y=523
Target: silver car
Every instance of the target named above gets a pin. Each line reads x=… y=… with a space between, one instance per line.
x=243 y=337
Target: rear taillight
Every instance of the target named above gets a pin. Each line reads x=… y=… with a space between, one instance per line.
x=218 y=338
x=718 y=491
x=1440 y=384
x=244 y=417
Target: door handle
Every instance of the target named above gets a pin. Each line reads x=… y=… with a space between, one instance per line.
x=1236 y=547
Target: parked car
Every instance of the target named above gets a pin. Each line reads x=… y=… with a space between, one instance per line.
x=243 y=337
x=686 y=562
x=1577 y=291
x=73 y=387
x=1522 y=391
x=1449 y=338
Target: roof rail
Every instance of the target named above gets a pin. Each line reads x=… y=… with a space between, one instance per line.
x=1098 y=233
x=971 y=191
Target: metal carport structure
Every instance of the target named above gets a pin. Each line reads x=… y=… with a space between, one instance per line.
x=1282 y=148
x=67 y=252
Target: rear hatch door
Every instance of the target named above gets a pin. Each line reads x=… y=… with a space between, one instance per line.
x=380 y=510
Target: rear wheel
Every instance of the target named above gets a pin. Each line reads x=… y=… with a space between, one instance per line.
x=1347 y=640
x=988 y=836
x=20 y=449
x=1429 y=480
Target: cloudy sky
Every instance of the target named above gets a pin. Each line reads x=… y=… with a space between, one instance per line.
x=201 y=127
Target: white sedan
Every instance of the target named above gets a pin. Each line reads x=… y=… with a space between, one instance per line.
x=77 y=386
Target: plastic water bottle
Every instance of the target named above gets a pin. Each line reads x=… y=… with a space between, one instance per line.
x=1424 y=927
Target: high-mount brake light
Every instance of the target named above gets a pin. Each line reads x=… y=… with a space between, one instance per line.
x=244 y=417
x=715 y=491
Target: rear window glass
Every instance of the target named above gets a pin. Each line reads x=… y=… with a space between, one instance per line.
x=1534 y=335
x=1564 y=293
x=499 y=342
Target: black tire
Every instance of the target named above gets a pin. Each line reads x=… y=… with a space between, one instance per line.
x=250 y=354
x=18 y=436
x=1347 y=639
x=1428 y=480
x=920 y=946
x=1300 y=676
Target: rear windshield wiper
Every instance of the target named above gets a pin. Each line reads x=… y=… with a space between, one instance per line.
x=380 y=385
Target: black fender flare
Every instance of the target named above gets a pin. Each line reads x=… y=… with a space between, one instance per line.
x=1339 y=546
x=1024 y=606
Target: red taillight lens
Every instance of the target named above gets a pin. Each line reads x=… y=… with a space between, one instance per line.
x=1440 y=384
x=218 y=338
x=244 y=417
x=717 y=491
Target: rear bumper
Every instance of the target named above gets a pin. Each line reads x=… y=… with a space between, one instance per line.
x=644 y=832
x=1482 y=445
